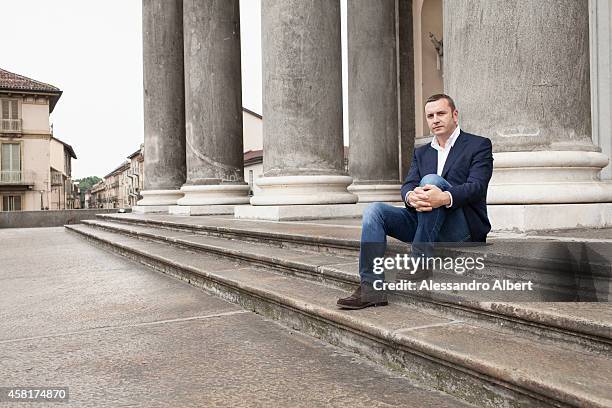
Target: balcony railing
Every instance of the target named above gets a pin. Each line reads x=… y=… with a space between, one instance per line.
x=16 y=177
x=56 y=179
x=10 y=125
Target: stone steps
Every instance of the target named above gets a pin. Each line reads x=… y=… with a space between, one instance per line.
x=519 y=259
x=581 y=325
x=481 y=365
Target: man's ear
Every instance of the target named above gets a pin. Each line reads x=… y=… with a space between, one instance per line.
x=456 y=116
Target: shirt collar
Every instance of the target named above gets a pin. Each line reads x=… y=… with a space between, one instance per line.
x=451 y=140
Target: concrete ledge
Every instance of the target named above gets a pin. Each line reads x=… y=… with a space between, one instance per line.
x=49 y=218
x=549 y=216
x=299 y=212
x=150 y=209
x=201 y=209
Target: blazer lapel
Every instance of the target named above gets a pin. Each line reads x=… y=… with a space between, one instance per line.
x=430 y=162
x=454 y=154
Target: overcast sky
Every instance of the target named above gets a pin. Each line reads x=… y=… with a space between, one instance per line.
x=92 y=51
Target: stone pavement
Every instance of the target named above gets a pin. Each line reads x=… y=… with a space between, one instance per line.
x=119 y=334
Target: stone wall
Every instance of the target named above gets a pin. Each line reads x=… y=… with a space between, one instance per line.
x=52 y=218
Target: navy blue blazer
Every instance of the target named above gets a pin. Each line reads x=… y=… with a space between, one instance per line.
x=468 y=169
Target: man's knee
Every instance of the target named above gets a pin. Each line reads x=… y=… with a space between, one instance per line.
x=433 y=179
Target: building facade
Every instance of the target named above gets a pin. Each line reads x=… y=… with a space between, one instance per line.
x=35 y=166
x=97 y=195
x=116 y=184
x=62 y=195
x=252 y=130
x=121 y=187
x=135 y=175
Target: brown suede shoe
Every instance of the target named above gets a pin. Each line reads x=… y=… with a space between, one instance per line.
x=364 y=296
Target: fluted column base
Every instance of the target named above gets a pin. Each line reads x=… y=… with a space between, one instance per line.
x=543 y=217
x=156 y=201
x=300 y=190
x=370 y=193
x=210 y=199
x=215 y=194
x=549 y=177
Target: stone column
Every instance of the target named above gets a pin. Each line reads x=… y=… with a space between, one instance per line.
x=372 y=100
x=519 y=72
x=213 y=109
x=302 y=104
x=164 y=104
x=601 y=77
x=406 y=84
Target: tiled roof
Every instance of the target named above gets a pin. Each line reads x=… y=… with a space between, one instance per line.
x=250 y=112
x=252 y=157
x=136 y=153
x=10 y=81
x=251 y=154
x=123 y=166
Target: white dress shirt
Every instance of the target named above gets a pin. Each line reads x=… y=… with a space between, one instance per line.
x=442 y=156
x=444 y=151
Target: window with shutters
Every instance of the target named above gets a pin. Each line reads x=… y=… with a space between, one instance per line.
x=10 y=122
x=11 y=203
x=10 y=162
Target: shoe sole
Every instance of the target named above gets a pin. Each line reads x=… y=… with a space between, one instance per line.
x=375 y=304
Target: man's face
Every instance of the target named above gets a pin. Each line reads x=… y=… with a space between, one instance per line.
x=440 y=119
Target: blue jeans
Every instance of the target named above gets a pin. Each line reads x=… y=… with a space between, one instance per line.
x=421 y=229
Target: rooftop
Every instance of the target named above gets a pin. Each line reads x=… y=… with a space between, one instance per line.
x=119 y=169
x=67 y=147
x=10 y=81
x=136 y=153
x=252 y=157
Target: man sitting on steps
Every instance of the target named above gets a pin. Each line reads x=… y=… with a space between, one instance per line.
x=445 y=196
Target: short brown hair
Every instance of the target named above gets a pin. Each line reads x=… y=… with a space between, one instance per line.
x=437 y=97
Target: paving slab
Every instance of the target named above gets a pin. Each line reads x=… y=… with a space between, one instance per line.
x=119 y=334
x=53 y=282
x=231 y=361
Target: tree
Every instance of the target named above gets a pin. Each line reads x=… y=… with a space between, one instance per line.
x=85 y=184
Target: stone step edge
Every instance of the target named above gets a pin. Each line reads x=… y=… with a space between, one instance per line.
x=345 y=244
x=327 y=271
x=502 y=260
x=509 y=313
x=265 y=260
x=532 y=389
